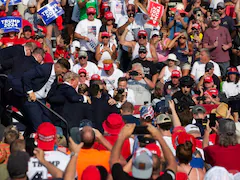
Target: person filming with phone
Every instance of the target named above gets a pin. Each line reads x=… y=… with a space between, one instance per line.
x=140 y=84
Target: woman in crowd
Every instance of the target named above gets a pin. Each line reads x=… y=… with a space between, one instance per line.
x=184 y=156
x=183 y=50
x=231 y=87
x=105 y=50
x=166 y=72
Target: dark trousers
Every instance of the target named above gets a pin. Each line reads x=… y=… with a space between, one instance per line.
x=35 y=114
x=124 y=61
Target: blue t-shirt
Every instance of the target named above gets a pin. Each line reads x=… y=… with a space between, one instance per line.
x=178 y=27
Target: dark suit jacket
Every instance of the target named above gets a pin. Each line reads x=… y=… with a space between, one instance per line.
x=19 y=64
x=10 y=52
x=69 y=104
x=100 y=111
x=36 y=78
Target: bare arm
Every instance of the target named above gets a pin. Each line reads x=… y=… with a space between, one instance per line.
x=154 y=53
x=121 y=29
x=70 y=171
x=79 y=36
x=82 y=4
x=172 y=165
x=98 y=54
x=124 y=42
x=54 y=171
x=175 y=118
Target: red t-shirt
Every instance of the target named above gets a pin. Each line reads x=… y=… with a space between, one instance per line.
x=228 y=157
x=126 y=150
x=48 y=58
x=60 y=52
x=24 y=41
x=7 y=41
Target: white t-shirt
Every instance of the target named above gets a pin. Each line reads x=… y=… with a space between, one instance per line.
x=88 y=28
x=117 y=8
x=168 y=140
x=91 y=68
x=198 y=70
x=111 y=81
x=37 y=171
x=230 y=88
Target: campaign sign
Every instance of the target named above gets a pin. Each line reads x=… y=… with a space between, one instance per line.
x=92 y=43
x=50 y=12
x=10 y=24
x=12 y=2
x=155 y=11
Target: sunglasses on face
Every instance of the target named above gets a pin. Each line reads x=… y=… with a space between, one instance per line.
x=182 y=37
x=155 y=36
x=82 y=75
x=220 y=8
x=142 y=37
x=214 y=96
x=142 y=52
x=130 y=10
x=91 y=14
x=110 y=20
x=105 y=37
x=82 y=57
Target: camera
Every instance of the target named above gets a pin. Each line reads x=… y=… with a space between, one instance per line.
x=133 y=73
x=160 y=35
x=201 y=98
x=120 y=91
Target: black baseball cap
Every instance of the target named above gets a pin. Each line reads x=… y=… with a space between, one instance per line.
x=209 y=66
x=142 y=49
x=18 y=164
x=27 y=28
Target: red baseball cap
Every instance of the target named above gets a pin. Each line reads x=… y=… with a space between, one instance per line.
x=208 y=79
x=108 y=15
x=113 y=124
x=82 y=70
x=179 y=129
x=196 y=26
x=95 y=77
x=232 y=70
x=107 y=66
x=91 y=172
x=154 y=149
x=176 y=73
x=182 y=137
x=91 y=10
x=142 y=33
x=16 y=13
x=46 y=136
x=42 y=29
x=105 y=34
x=212 y=91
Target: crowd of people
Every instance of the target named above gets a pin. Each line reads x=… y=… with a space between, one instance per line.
x=118 y=97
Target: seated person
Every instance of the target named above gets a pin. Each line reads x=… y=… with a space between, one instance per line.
x=172 y=86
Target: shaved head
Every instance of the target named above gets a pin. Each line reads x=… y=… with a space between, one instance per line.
x=87 y=137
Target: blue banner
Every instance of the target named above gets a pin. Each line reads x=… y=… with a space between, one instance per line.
x=50 y=12
x=10 y=24
x=12 y=2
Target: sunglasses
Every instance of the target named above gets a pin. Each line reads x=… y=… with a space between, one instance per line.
x=105 y=37
x=91 y=14
x=82 y=57
x=155 y=35
x=214 y=96
x=142 y=37
x=110 y=20
x=82 y=75
x=142 y=52
x=182 y=37
x=220 y=8
x=130 y=10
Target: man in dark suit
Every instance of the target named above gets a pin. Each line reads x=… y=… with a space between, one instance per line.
x=68 y=103
x=101 y=107
x=16 y=51
x=37 y=84
x=14 y=68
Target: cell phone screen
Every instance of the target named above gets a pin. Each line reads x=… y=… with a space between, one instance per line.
x=212 y=119
x=140 y=130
